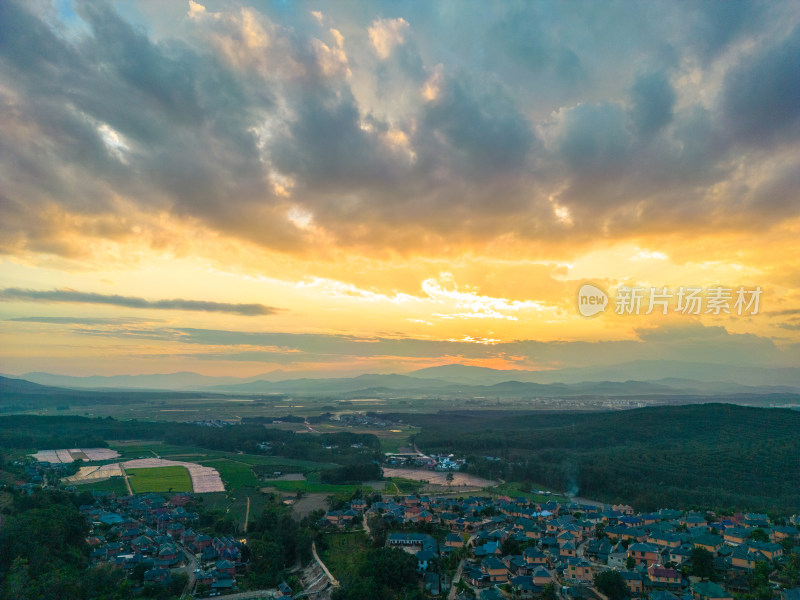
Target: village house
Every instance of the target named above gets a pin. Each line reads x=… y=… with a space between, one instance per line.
x=709 y=542
x=735 y=535
x=644 y=554
x=494 y=568
x=634 y=581
x=707 y=590
x=661 y=577
x=534 y=556
x=541 y=577
x=579 y=570
x=693 y=520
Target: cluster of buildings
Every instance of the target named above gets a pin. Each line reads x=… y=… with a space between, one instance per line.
x=346 y=516
x=433 y=462
x=558 y=544
x=157 y=533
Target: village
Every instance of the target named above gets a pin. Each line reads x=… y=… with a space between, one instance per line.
x=514 y=548
x=482 y=546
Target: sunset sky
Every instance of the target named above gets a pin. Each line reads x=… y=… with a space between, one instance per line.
x=348 y=187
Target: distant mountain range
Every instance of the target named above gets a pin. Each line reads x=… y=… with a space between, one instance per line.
x=627 y=379
x=19 y=394
x=640 y=370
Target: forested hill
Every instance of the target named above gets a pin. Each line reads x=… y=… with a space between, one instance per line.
x=712 y=455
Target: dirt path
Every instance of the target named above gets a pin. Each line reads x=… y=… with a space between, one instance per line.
x=125 y=477
x=332 y=579
x=366 y=527
x=456 y=579
x=247 y=515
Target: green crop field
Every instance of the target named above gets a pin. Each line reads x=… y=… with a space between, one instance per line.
x=160 y=479
x=115 y=485
x=344 y=553
x=234 y=474
x=312 y=485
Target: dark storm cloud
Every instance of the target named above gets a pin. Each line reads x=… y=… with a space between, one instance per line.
x=480 y=138
x=652 y=102
x=10 y=294
x=760 y=97
x=721 y=23
x=583 y=102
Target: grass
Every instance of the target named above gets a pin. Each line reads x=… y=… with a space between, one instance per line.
x=407 y=486
x=235 y=475
x=295 y=464
x=345 y=553
x=512 y=490
x=312 y=485
x=160 y=479
x=115 y=485
x=235 y=504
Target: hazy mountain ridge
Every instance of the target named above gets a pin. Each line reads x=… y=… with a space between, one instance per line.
x=625 y=379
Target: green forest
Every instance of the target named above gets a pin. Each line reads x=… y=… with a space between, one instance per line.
x=718 y=456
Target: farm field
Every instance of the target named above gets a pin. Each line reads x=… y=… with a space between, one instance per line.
x=235 y=504
x=392 y=439
x=312 y=485
x=234 y=474
x=460 y=480
x=116 y=486
x=160 y=479
x=235 y=408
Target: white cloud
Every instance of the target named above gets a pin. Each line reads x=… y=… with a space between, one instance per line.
x=387 y=34
x=445 y=291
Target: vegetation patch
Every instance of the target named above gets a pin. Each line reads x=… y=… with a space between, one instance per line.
x=160 y=479
x=716 y=456
x=234 y=474
x=407 y=486
x=115 y=485
x=344 y=553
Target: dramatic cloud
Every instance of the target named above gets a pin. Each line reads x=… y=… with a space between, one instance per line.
x=80 y=320
x=238 y=119
x=249 y=310
x=342 y=161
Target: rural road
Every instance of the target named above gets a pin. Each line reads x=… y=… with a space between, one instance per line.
x=366 y=527
x=456 y=579
x=332 y=579
x=252 y=594
x=125 y=477
x=191 y=566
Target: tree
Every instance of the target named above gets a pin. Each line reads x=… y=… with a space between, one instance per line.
x=449 y=478
x=759 y=535
x=630 y=562
x=612 y=584
x=600 y=531
x=510 y=546
x=702 y=563
x=379 y=529
x=549 y=592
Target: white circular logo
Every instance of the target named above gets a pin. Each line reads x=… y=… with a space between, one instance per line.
x=591 y=300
